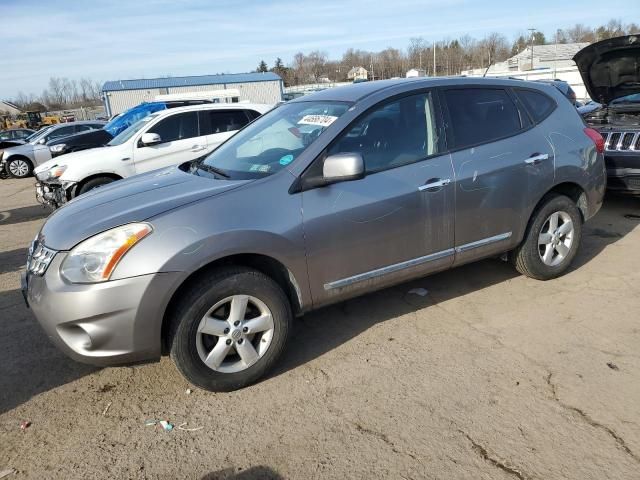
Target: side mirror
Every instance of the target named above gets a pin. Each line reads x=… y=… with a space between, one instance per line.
x=342 y=167
x=42 y=141
x=149 y=139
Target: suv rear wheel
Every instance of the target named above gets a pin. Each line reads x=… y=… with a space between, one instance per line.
x=229 y=329
x=552 y=239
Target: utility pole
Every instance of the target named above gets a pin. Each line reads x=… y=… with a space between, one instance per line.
x=555 y=55
x=532 y=30
x=435 y=45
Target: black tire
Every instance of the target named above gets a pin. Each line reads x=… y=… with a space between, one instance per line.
x=94 y=183
x=204 y=294
x=19 y=167
x=527 y=257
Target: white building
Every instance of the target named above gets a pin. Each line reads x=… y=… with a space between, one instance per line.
x=357 y=73
x=549 y=61
x=257 y=87
x=416 y=72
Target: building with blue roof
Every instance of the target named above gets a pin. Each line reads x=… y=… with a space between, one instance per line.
x=256 y=87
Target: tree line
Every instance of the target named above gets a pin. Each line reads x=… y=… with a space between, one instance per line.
x=452 y=55
x=62 y=93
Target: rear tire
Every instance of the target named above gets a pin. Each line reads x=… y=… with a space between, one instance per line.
x=19 y=167
x=245 y=356
x=552 y=239
x=94 y=183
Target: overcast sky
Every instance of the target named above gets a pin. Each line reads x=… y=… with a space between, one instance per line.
x=118 y=39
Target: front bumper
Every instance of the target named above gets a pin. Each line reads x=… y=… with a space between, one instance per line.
x=53 y=194
x=111 y=323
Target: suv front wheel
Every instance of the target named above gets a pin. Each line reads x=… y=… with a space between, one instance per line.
x=552 y=239
x=229 y=329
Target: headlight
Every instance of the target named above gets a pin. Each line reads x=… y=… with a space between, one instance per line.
x=95 y=259
x=57 y=148
x=56 y=172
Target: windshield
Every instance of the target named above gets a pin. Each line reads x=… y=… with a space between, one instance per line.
x=131 y=131
x=274 y=140
x=131 y=116
x=34 y=137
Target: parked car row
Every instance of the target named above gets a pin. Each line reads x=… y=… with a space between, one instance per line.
x=20 y=160
x=164 y=137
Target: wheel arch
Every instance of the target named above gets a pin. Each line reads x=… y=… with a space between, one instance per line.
x=572 y=190
x=265 y=264
x=82 y=182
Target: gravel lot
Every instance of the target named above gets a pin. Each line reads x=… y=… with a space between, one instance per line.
x=490 y=375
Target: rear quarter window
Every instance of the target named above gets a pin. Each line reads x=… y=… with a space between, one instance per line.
x=480 y=115
x=537 y=104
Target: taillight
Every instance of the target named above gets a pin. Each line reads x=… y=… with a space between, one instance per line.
x=597 y=139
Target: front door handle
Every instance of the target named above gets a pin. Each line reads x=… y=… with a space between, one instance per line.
x=197 y=148
x=434 y=183
x=536 y=158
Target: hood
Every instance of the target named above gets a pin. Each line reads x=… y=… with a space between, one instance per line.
x=25 y=148
x=63 y=160
x=91 y=138
x=70 y=158
x=131 y=200
x=609 y=68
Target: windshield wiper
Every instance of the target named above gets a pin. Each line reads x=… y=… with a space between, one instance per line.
x=217 y=171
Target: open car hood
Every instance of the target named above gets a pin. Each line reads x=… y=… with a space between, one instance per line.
x=610 y=68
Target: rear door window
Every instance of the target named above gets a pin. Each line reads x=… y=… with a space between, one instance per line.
x=480 y=115
x=177 y=127
x=61 y=132
x=222 y=121
x=538 y=104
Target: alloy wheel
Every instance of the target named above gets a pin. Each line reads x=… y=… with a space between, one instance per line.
x=234 y=334
x=555 y=238
x=18 y=168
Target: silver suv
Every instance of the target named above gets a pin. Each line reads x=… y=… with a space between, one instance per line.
x=326 y=197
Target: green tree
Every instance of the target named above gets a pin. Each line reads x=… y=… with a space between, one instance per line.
x=262 y=67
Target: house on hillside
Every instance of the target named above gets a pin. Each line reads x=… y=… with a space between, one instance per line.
x=8 y=108
x=549 y=61
x=544 y=56
x=357 y=73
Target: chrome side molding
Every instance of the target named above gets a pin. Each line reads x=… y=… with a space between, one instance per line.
x=483 y=242
x=387 y=270
x=379 y=272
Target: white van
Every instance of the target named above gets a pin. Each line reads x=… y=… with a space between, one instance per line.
x=164 y=138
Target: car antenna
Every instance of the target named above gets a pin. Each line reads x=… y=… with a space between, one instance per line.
x=487 y=69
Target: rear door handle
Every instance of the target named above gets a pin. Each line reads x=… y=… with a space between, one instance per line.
x=536 y=158
x=434 y=183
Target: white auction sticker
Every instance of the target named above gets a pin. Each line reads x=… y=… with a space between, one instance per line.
x=320 y=120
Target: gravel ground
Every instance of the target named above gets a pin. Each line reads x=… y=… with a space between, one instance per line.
x=489 y=376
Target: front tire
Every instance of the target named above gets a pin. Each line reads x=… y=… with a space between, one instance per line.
x=552 y=239
x=19 y=167
x=229 y=329
x=94 y=183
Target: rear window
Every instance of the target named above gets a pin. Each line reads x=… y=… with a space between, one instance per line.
x=481 y=115
x=538 y=104
x=221 y=121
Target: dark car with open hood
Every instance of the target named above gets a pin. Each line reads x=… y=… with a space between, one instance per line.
x=611 y=76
